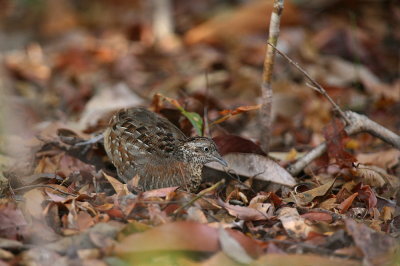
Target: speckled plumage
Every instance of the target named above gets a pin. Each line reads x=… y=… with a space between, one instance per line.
x=141 y=142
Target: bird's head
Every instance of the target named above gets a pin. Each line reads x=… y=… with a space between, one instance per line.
x=201 y=150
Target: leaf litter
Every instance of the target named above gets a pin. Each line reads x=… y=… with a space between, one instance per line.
x=63 y=202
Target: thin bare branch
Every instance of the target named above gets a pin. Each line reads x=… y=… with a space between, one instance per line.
x=358 y=123
x=315 y=85
x=266 y=86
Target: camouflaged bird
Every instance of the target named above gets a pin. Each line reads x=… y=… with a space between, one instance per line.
x=144 y=144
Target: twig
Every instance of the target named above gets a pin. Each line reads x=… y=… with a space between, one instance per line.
x=315 y=85
x=266 y=86
x=358 y=123
x=44 y=186
x=90 y=141
x=198 y=196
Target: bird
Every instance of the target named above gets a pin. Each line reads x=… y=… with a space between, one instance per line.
x=143 y=144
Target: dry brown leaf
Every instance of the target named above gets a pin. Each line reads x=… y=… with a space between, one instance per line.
x=121 y=189
x=370 y=175
x=245 y=213
x=34 y=200
x=293 y=223
x=84 y=220
x=246 y=20
x=387 y=213
x=12 y=221
x=328 y=204
x=375 y=176
x=318 y=216
x=257 y=166
x=306 y=197
x=385 y=159
x=345 y=205
x=159 y=193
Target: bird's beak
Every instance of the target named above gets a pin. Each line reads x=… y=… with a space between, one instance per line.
x=219 y=159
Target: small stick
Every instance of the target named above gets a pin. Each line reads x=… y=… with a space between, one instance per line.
x=358 y=123
x=315 y=85
x=90 y=141
x=266 y=85
x=198 y=196
x=44 y=186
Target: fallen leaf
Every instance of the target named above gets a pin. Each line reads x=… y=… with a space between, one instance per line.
x=256 y=166
x=232 y=248
x=387 y=213
x=386 y=159
x=246 y=20
x=5 y=255
x=34 y=203
x=245 y=213
x=375 y=246
x=366 y=194
x=189 y=236
x=334 y=134
x=12 y=221
x=328 y=204
x=318 y=216
x=120 y=188
x=293 y=223
x=306 y=197
x=231 y=143
x=84 y=221
x=158 y=193
x=345 y=205
x=375 y=176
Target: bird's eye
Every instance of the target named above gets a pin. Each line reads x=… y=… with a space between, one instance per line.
x=206 y=149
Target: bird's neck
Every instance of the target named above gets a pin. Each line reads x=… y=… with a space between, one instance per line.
x=185 y=155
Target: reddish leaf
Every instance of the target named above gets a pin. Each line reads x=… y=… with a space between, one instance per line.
x=231 y=143
x=116 y=213
x=244 y=213
x=366 y=194
x=342 y=195
x=318 y=216
x=276 y=200
x=12 y=221
x=189 y=236
x=345 y=205
x=334 y=134
x=84 y=220
x=159 y=193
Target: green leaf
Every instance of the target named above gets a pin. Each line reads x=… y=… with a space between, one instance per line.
x=195 y=119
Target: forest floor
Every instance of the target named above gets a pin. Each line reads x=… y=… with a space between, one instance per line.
x=67 y=66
